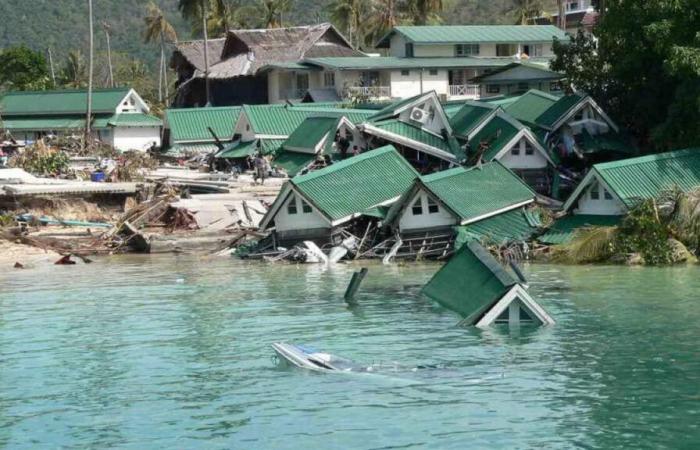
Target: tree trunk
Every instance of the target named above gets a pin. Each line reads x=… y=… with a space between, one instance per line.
x=206 y=51
x=109 y=60
x=53 y=72
x=165 y=68
x=88 y=115
x=562 y=15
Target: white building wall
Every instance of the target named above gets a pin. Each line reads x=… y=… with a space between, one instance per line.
x=397 y=46
x=433 y=50
x=438 y=82
x=136 y=138
x=523 y=160
x=273 y=86
x=410 y=222
x=601 y=206
x=301 y=220
x=404 y=86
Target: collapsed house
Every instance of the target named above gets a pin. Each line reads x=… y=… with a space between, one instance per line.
x=610 y=190
x=254 y=66
x=319 y=205
x=193 y=131
x=477 y=287
x=120 y=117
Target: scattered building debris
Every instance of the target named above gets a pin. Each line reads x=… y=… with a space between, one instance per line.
x=355 y=282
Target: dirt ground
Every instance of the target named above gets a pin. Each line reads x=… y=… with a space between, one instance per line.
x=11 y=253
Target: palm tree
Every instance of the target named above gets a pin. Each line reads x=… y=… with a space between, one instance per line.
x=159 y=29
x=74 y=70
x=526 y=11
x=384 y=17
x=272 y=10
x=350 y=16
x=107 y=29
x=88 y=115
x=423 y=11
x=192 y=9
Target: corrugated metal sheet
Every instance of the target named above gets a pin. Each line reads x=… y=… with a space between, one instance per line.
x=293 y=162
x=239 y=150
x=563 y=230
x=457 y=34
x=358 y=183
x=282 y=120
x=507 y=227
x=191 y=124
x=647 y=176
x=495 y=135
x=469 y=116
x=470 y=283
x=418 y=134
x=135 y=120
x=310 y=132
x=555 y=112
x=474 y=192
x=60 y=102
x=529 y=106
x=187 y=150
x=77 y=122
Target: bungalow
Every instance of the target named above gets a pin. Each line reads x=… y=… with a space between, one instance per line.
x=317 y=204
x=419 y=127
x=255 y=66
x=458 y=197
x=519 y=77
x=477 y=287
x=120 y=116
x=191 y=131
x=331 y=136
x=505 y=139
x=613 y=188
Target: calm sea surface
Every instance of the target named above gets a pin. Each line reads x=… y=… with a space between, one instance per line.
x=174 y=352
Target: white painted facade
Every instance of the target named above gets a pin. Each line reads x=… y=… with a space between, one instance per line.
x=135 y=138
x=523 y=155
x=424 y=212
x=597 y=199
x=297 y=214
x=485 y=49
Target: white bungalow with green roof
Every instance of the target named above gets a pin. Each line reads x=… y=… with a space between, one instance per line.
x=458 y=197
x=483 y=292
x=120 y=117
x=315 y=205
x=520 y=77
x=419 y=127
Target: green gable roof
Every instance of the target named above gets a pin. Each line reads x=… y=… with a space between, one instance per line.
x=470 y=283
x=564 y=229
x=190 y=124
x=282 y=120
x=469 y=116
x=496 y=134
x=310 y=132
x=518 y=224
x=559 y=109
x=77 y=122
x=647 y=176
x=529 y=106
x=293 y=162
x=458 y=34
x=358 y=183
x=49 y=103
x=418 y=134
x=239 y=149
x=476 y=193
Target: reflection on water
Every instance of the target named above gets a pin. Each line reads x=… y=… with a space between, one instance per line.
x=167 y=352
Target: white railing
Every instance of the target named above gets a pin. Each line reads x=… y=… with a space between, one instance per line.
x=292 y=94
x=370 y=91
x=464 y=90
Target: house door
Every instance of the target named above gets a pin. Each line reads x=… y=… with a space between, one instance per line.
x=370 y=78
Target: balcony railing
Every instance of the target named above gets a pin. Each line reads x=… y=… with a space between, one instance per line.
x=370 y=91
x=465 y=90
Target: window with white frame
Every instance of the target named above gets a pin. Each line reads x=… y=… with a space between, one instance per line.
x=505 y=49
x=329 y=79
x=466 y=49
x=515 y=151
x=433 y=207
x=529 y=149
x=405 y=73
x=536 y=50
x=433 y=72
x=607 y=195
x=305 y=207
x=595 y=192
x=417 y=208
x=292 y=206
x=493 y=88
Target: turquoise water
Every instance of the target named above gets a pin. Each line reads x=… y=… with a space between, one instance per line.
x=174 y=352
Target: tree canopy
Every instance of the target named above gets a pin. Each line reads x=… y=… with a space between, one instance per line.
x=22 y=69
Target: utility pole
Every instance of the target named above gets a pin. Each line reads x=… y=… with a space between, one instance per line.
x=90 y=69
x=53 y=73
x=106 y=27
x=206 y=51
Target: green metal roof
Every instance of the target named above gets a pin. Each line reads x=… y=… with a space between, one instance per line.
x=529 y=106
x=608 y=142
x=293 y=162
x=390 y=109
x=476 y=192
x=239 y=150
x=469 y=116
x=418 y=134
x=564 y=229
x=135 y=120
x=457 y=34
x=310 y=132
x=392 y=62
x=647 y=176
x=47 y=103
x=282 y=120
x=516 y=225
x=187 y=150
x=559 y=109
x=355 y=184
x=495 y=134
x=190 y=124
x=470 y=283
